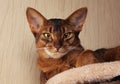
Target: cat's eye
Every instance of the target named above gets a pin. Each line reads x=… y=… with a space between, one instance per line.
x=67 y=35
x=47 y=35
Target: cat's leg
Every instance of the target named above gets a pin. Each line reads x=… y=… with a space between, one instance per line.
x=112 y=54
x=86 y=57
x=100 y=55
x=42 y=78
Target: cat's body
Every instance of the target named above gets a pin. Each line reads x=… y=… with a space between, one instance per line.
x=58 y=44
x=55 y=66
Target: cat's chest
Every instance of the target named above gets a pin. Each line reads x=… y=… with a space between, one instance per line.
x=68 y=61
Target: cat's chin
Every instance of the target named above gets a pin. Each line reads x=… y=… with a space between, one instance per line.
x=55 y=55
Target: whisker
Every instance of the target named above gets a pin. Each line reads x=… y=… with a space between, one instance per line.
x=40 y=48
x=74 y=48
x=77 y=48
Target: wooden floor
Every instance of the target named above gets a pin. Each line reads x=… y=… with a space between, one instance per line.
x=17 y=49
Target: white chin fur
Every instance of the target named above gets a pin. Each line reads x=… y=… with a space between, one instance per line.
x=54 y=55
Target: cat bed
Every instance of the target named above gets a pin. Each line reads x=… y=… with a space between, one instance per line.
x=93 y=73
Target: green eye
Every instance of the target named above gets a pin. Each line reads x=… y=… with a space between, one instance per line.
x=67 y=35
x=47 y=35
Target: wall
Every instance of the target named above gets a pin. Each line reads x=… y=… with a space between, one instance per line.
x=17 y=50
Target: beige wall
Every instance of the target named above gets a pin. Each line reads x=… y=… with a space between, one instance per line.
x=17 y=49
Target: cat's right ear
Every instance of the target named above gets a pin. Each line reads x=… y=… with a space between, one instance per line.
x=35 y=20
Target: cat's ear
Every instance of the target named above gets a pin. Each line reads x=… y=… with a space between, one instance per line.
x=35 y=20
x=77 y=18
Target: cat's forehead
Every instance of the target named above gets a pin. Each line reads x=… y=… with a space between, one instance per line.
x=58 y=24
x=56 y=21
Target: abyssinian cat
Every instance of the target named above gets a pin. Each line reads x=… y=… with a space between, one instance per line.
x=58 y=44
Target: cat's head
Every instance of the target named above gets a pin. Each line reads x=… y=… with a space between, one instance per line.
x=56 y=37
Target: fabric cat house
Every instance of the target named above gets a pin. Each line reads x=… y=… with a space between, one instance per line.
x=100 y=72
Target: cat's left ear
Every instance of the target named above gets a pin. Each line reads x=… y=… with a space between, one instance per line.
x=78 y=18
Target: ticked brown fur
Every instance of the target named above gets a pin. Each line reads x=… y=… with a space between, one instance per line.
x=59 y=46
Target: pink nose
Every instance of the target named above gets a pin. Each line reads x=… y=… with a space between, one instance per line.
x=57 y=46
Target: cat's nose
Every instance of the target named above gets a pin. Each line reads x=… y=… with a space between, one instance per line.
x=57 y=46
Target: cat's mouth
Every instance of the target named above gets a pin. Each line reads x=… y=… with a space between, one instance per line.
x=53 y=53
x=56 y=54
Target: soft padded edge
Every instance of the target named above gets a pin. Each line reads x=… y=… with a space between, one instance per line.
x=89 y=73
